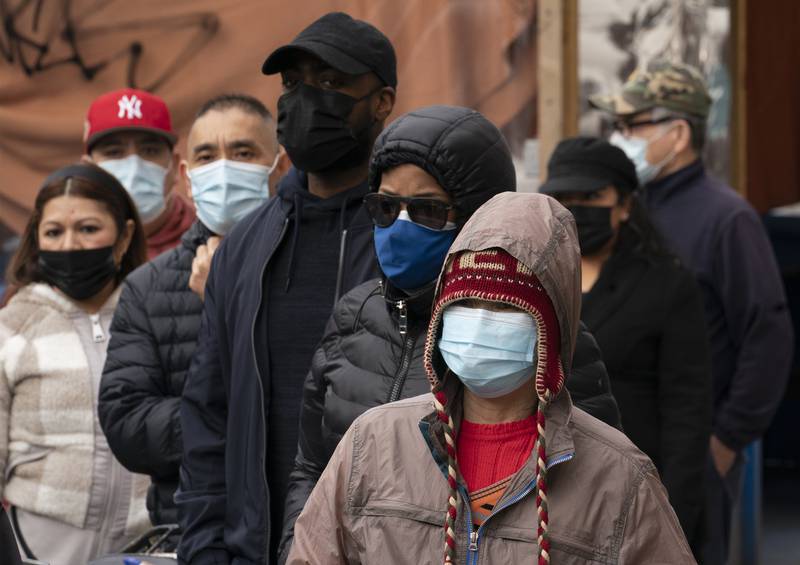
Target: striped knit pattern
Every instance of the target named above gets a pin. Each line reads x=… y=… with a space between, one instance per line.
x=494 y=275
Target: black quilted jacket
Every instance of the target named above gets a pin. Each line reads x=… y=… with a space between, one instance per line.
x=153 y=337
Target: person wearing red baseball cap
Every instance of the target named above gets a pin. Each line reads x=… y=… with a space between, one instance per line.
x=129 y=133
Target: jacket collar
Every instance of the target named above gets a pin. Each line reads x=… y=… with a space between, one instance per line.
x=662 y=189
x=558 y=437
x=418 y=303
x=196 y=236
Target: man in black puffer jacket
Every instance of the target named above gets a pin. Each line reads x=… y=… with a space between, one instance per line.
x=155 y=328
x=372 y=349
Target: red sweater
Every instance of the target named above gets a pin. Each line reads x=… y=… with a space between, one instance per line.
x=489 y=453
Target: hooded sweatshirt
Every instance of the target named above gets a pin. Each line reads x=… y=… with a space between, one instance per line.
x=301 y=286
x=384 y=496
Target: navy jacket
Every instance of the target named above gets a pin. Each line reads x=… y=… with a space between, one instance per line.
x=223 y=498
x=719 y=236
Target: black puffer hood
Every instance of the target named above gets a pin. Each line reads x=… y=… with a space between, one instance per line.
x=459 y=147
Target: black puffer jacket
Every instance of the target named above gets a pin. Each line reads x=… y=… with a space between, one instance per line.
x=153 y=337
x=372 y=349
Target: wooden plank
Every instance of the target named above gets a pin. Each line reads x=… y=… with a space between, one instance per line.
x=557 y=101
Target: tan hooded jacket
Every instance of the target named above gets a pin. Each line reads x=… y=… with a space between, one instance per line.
x=383 y=496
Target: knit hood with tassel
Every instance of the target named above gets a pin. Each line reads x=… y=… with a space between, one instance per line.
x=533 y=264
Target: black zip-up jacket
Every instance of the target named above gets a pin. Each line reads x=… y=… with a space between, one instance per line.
x=153 y=337
x=646 y=313
x=721 y=239
x=223 y=498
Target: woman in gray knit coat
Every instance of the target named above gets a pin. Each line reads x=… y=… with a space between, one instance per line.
x=70 y=499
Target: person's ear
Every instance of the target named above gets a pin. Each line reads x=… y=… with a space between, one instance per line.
x=282 y=166
x=86 y=158
x=124 y=242
x=386 y=99
x=625 y=204
x=684 y=136
x=184 y=181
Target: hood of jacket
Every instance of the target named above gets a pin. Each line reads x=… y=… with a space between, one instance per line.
x=459 y=147
x=539 y=233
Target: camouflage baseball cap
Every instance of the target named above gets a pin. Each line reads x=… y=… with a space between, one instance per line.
x=673 y=86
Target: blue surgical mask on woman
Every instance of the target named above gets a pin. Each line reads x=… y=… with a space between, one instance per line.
x=492 y=353
x=411 y=255
x=226 y=191
x=144 y=181
x=636 y=150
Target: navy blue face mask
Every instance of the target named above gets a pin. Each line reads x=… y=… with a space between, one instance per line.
x=411 y=255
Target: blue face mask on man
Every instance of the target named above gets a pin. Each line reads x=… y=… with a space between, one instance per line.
x=144 y=181
x=492 y=353
x=411 y=255
x=226 y=191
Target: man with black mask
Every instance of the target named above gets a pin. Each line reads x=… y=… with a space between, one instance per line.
x=273 y=283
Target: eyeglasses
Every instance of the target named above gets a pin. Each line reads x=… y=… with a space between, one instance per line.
x=428 y=212
x=628 y=126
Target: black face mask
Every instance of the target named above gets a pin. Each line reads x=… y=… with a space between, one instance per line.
x=80 y=274
x=313 y=128
x=594 y=227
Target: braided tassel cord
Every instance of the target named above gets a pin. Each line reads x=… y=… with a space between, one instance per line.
x=541 y=488
x=440 y=400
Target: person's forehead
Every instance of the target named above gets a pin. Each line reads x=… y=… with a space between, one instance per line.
x=125 y=137
x=71 y=207
x=223 y=125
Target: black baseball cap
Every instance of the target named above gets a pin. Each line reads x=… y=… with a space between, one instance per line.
x=588 y=164
x=348 y=45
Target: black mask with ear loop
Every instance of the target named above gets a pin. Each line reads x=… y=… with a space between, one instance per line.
x=313 y=128
x=594 y=227
x=80 y=273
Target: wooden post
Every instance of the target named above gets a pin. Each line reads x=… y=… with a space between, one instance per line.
x=558 y=75
x=738 y=150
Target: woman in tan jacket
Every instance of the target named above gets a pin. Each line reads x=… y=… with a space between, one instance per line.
x=70 y=499
x=497 y=454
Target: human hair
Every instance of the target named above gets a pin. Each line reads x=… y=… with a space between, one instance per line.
x=697 y=126
x=87 y=181
x=639 y=234
x=243 y=102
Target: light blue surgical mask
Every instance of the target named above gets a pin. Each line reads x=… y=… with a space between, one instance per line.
x=636 y=150
x=492 y=353
x=144 y=181
x=226 y=191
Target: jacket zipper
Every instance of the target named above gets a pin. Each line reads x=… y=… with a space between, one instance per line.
x=475 y=535
x=405 y=359
x=261 y=383
x=340 y=270
x=97 y=329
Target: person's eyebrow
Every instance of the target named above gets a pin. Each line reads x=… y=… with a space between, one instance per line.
x=203 y=147
x=239 y=143
x=108 y=142
x=431 y=194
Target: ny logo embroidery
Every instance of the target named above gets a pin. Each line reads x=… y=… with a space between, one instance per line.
x=131 y=106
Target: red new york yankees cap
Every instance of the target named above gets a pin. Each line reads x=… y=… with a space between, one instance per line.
x=127 y=109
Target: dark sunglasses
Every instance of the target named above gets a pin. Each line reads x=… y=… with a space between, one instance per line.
x=428 y=212
x=630 y=125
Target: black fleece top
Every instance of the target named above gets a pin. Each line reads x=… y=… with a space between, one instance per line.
x=301 y=286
